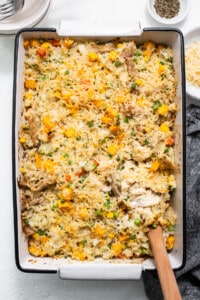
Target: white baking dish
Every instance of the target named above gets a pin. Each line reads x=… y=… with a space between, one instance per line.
x=99 y=269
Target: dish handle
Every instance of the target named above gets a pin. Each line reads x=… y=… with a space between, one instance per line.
x=101 y=271
x=103 y=29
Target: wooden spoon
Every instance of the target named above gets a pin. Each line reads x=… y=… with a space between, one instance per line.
x=165 y=273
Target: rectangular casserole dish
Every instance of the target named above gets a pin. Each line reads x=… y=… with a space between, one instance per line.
x=100 y=269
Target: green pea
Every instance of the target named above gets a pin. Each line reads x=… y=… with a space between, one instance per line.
x=137 y=222
x=171 y=228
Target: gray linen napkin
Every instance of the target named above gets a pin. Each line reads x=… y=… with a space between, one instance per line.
x=188 y=278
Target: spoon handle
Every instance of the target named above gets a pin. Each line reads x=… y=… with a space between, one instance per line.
x=166 y=275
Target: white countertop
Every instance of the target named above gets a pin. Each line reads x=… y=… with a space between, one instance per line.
x=15 y=285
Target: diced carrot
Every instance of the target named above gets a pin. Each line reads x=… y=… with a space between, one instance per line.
x=56 y=43
x=114 y=128
x=30 y=84
x=96 y=162
x=121 y=256
x=170 y=142
x=38 y=161
x=41 y=52
x=68 y=177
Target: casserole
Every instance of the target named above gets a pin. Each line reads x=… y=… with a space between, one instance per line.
x=100 y=269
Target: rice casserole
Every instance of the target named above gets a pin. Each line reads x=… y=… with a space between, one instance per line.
x=96 y=147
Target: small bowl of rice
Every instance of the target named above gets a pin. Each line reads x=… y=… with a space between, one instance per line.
x=192 y=63
x=168 y=12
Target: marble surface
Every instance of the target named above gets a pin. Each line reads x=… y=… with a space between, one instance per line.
x=15 y=285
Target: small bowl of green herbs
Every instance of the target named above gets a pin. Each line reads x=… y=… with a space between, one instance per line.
x=168 y=12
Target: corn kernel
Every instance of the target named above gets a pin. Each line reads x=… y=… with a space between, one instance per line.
x=113 y=55
x=47 y=122
x=150 y=45
x=119 y=45
x=83 y=213
x=41 y=238
x=117 y=248
x=123 y=238
x=93 y=56
x=49 y=165
x=23 y=170
x=170 y=242
x=65 y=205
x=155 y=166
x=139 y=82
x=79 y=255
x=147 y=53
x=73 y=111
x=36 y=251
x=163 y=110
x=140 y=102
x=22 y=140
x=99 y=231
x=70 y=132
x=161 y=69
x=68 y=43
x=112 y=149
x=164 y=127
x=34 y=43
x=80 y=72
x=147 y=58
x=67 y=193
x=111 y=112
x=106 y=120
x=98 y=103
x=90 y=94
x=110 y=215
x=66 y=95
x=45 y=45
x=111 y=235
x=28 y=95
x=57 y=94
